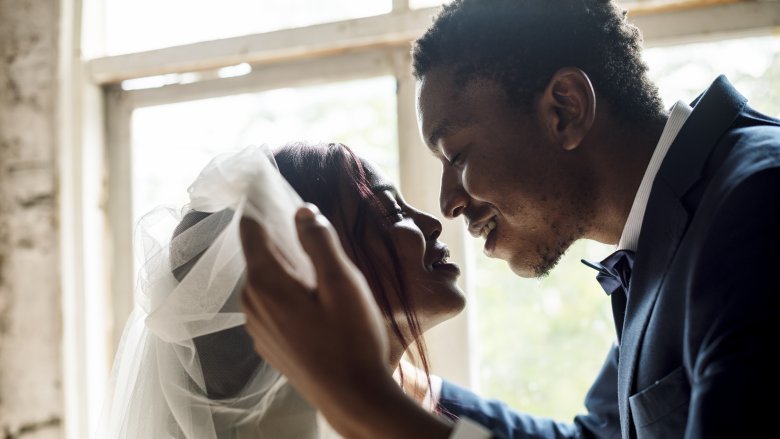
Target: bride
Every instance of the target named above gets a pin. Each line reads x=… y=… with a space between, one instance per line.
x=186 y=367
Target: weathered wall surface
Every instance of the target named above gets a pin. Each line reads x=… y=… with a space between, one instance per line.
x=31 y=402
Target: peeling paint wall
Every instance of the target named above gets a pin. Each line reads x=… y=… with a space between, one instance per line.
x=31 y=401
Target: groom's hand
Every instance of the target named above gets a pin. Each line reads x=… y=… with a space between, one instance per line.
x=318 y=338
x=331 y=342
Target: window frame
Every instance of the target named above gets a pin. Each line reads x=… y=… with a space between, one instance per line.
x=95 y=150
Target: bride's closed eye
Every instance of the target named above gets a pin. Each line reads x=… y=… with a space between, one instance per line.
x=394 y=210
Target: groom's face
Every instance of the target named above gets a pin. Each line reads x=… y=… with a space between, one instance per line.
x=502 y=171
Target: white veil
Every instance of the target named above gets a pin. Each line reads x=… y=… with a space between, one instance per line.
x=185 y=367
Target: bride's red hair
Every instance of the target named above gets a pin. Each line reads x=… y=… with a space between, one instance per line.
x=319 y=173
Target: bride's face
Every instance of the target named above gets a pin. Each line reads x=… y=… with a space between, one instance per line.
x=398 y=235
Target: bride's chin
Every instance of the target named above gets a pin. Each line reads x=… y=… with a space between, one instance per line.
x=441 y=318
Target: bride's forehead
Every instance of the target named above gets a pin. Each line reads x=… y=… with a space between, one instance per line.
x=375 y=175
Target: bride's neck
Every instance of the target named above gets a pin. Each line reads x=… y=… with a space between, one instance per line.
x=414 y=382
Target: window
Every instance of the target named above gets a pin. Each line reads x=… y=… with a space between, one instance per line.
x=241 y=72
x=357 y=113
x=542 y=342
x=751 y=64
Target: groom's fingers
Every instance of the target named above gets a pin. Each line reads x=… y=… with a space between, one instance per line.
x=320 y=241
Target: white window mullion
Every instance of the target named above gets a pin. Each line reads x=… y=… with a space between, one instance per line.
x=400 y=5
x=119 y=208
x=681 y=24
x=291 y=73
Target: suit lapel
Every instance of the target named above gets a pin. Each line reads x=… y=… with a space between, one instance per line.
x=665 y=222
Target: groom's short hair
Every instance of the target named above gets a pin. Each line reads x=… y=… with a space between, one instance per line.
x=522 y=43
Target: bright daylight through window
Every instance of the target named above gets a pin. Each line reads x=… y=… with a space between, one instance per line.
x=360 y=114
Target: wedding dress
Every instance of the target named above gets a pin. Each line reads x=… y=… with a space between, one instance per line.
x=185 y=368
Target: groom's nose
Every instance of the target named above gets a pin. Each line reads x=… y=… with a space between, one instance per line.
x=453 y=199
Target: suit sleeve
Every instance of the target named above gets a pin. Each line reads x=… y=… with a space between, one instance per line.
x=733 y=313
x=601 y=421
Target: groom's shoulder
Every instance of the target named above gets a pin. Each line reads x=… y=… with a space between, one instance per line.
x=753 y=147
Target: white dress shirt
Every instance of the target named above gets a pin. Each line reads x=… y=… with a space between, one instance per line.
x=677 y=117
x=468 y=429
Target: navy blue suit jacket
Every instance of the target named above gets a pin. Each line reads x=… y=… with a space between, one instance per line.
x=701 y=322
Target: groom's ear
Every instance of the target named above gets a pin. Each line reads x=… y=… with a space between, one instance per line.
x=568 y=107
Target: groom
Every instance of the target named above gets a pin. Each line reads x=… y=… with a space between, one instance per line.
x=549 y=131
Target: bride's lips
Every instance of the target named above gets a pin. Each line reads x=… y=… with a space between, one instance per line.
x=449 y=268
x=440 y=261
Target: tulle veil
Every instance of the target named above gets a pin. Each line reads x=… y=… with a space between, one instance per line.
x=186 y=323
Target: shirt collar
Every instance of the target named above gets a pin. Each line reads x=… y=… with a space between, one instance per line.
x=677 y=117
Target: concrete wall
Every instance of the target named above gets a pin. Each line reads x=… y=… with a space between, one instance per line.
x=31 y=401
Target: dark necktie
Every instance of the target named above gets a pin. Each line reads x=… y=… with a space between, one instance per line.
x=614 y=275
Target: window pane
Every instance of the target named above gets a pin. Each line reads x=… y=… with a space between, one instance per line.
x=542 y=342
x=138 y=25
x=751 y=64
x=172 y=143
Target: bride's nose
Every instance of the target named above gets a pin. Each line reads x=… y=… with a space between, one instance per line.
x=430 y=226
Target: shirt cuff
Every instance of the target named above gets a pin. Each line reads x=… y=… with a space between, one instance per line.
x=467 y=429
